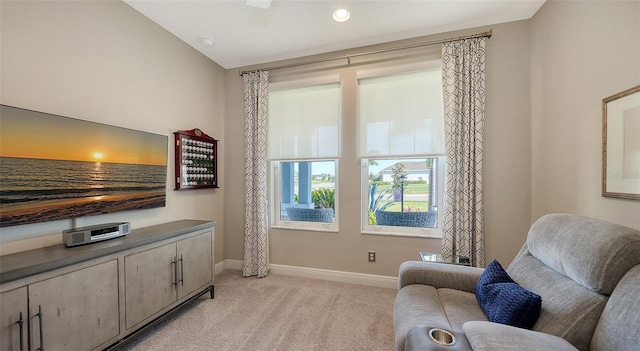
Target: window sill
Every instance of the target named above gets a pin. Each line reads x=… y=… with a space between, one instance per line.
x=431 y=234
x=292 y=226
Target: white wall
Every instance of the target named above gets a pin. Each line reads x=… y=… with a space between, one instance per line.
x=582 y=52
x=103 y=61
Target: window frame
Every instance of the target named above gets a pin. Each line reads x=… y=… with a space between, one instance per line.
x=367 y=228
x=275 y=198
x=275 y=173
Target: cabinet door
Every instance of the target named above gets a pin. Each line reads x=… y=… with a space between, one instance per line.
x=150 y=282
x=13 y=309
x=194 y=256
x=77 y=310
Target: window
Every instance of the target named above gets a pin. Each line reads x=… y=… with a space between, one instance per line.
x=401 y=147
x=303 y=137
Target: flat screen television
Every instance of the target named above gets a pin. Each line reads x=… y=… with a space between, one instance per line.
x=54 y=167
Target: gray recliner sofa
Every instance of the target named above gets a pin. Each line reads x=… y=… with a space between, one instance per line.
x=586 y=270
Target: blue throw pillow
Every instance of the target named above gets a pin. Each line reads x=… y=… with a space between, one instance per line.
x=504 y=301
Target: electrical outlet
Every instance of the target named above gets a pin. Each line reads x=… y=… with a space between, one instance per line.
x=372 y=256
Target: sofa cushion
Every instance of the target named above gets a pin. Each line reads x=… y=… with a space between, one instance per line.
x=460 y=307
x=569 y=310
x=619 y=326
x=504 y=301
x=592 y=252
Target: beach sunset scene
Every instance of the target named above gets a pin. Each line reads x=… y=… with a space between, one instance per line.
x=54 y=167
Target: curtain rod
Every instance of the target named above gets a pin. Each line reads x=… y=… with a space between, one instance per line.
x=486 y=34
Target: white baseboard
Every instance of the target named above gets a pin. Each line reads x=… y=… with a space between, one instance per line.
x=322 y=274
x=220 y=267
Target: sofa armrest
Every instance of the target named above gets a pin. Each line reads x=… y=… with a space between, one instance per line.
x=439 y=275
x=488 y=336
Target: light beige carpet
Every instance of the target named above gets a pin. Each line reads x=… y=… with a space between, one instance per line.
x=278 y=313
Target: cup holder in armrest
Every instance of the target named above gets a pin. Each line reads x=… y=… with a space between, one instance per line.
x=442 y=337
x=428 y=338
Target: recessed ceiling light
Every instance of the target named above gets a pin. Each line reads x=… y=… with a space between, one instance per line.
x=341 y=15
x=206 y=41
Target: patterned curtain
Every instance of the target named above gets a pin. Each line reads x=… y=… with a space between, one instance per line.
x=463 y=78
x=256 y=227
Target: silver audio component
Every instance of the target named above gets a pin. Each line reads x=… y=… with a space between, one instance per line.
x=94 y=233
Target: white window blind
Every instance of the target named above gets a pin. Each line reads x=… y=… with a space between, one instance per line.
x=401 y=115
x=303 y=122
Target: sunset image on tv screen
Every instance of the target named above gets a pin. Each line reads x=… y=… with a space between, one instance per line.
x=54 y=167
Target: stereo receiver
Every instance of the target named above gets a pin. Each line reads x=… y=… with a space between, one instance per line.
x=95 y=233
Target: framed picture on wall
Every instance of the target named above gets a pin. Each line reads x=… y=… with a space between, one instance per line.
x=621 y=145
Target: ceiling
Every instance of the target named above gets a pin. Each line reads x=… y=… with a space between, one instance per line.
x=245 y=34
